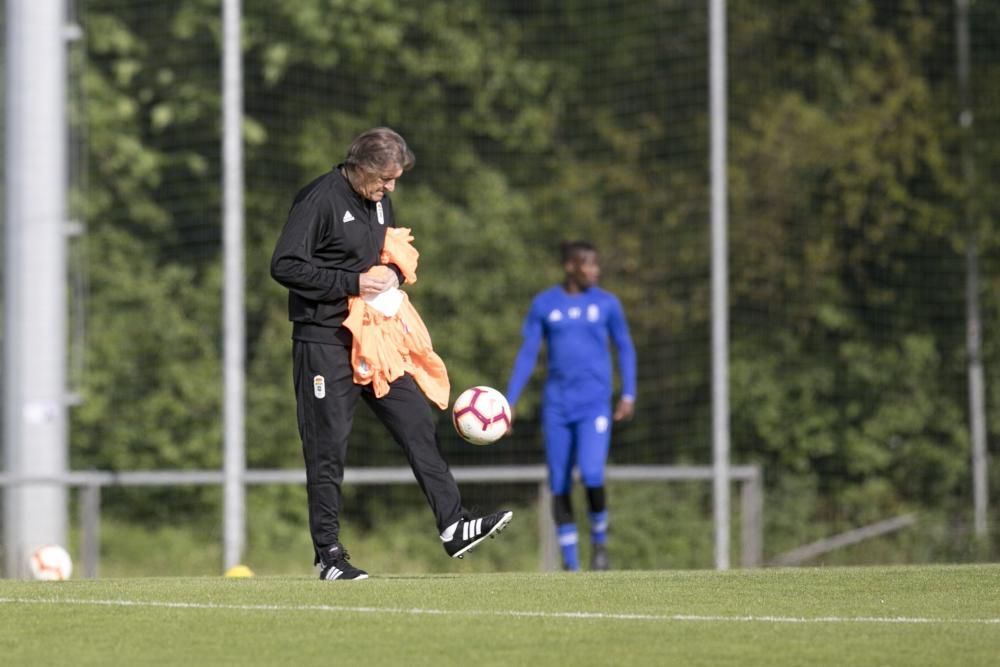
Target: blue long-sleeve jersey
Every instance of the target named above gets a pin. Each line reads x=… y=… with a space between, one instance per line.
x=576 y=329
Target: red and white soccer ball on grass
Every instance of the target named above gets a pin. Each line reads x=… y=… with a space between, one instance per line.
x=51 y=563
x=481 y=415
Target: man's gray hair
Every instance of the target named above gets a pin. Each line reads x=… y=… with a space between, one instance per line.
x=379 y=150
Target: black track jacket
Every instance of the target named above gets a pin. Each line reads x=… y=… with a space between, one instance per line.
x=333 y=235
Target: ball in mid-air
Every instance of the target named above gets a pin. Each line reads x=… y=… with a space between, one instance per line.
x=481 y=415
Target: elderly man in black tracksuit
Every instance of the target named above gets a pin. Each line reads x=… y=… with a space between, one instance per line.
x=333 y=237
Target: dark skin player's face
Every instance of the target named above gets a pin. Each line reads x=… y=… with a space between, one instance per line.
x=583 y=270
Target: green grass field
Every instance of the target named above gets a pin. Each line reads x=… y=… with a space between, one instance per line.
x=832 y=616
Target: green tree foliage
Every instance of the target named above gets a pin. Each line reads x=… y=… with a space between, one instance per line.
x=846 y=213
x=847 y=227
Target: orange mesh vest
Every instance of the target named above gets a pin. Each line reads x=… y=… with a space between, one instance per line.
x=386 y=346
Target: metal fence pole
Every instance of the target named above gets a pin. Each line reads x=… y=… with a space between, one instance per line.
x=752 y=521
x=234 y=418
x=973 y=320
x=34 y=289
x=90 y=529
x=547 y=546
x=720 y=280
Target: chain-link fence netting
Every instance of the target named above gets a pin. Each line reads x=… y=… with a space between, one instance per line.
x=850 y=226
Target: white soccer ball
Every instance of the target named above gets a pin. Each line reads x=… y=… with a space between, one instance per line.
x=51 y=563
x=481 y=415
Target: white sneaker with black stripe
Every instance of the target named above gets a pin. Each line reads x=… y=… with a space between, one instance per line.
x=333 y=563
x=470 y=532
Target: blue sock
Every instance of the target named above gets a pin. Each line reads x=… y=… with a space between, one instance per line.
x=567 y=545
x=599 y=527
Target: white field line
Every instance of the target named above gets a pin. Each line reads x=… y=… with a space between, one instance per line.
x=582 y=615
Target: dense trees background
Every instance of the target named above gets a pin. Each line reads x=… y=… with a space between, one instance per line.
x=537 y=122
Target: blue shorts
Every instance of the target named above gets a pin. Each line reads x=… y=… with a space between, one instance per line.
x=580 y=442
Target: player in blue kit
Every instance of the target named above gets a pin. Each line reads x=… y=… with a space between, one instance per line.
x=576 y=320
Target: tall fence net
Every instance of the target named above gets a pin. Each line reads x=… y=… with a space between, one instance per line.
x=534 y=123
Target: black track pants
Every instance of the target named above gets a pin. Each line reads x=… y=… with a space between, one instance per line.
x=327 y=396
